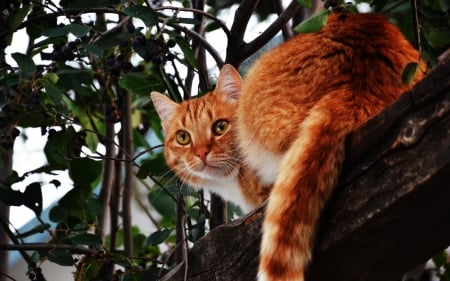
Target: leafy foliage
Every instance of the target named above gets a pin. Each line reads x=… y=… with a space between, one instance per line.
x=84 y=82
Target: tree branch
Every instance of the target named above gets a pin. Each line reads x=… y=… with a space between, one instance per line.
x=389 y=213
x=47 y=247
x=236 y=41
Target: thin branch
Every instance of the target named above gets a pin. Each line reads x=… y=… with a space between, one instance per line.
x=194 y=35
x=287 y=31
x=127 y=143
x=273 y=29
x=416 y=25
x=67 y=13
x=144 y=209
x=236 y=39
x=247 y=49
x=222 y=25
x=47 y=247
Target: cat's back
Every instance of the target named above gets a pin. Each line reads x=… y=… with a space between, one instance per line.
x=361 y=55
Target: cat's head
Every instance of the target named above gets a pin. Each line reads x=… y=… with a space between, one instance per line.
x=200 y=143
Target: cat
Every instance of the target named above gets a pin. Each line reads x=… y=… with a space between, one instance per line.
x=295 y=107
x=200 y=145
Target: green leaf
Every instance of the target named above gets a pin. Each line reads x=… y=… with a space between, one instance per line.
x=60 y=145
x=77 y=29
x=139 y=83
x=198 y=230
x=156 y=166
x=57 y=214
x=314 y=23
x=32 y=197
x=51 y=77
x=162 y=203
x=440 y=259
x=187 y=51
x=86 y=4
x=305 y=3
x=91 y=48
x=410 y=72
x=439 y=38
x=37 y=229
x=147 y=15
x=17 y=16
x=61 y=257
x=86 y=239
x=25 y=63
x=53 y=92
x=58 y=31
x=84 y=171
x=111 y=39
x=157 y=237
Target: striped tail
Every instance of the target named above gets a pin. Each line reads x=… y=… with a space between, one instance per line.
x=307 y=176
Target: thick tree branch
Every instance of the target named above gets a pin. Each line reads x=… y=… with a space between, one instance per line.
x=236 y=39
x=390 y=212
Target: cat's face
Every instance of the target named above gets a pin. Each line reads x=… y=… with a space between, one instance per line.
x=200 y=140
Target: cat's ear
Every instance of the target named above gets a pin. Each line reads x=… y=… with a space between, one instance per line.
x=229 y=82
x=165 y=108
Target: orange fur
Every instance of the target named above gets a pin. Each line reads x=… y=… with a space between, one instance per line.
x=296 y=106
x=298 y=103
x=209 y=161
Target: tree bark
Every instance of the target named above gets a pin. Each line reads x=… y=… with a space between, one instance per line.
x=390 y=212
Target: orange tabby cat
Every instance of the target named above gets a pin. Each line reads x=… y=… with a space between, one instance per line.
x=296 y=106
x=200 y=144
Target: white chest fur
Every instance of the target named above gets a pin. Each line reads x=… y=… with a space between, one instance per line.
x=228 y=189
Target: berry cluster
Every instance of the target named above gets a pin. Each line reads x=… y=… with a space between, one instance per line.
x=117 y=64
x=154 y=49
x=65 y=53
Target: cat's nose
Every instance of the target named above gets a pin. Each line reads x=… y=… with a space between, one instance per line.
x=202 y=153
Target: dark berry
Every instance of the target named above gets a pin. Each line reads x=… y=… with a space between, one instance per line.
x=57 y=47
x=111 y=60
x=127 y=66
x=58 y=56
x=135 y=43
x=157 y=59
x=170 y=57
x=51 y=133
x=139 y=68
x=72 y=45
x=140 y=38
x=171 y=43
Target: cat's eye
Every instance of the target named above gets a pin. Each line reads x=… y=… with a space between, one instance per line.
x=183 y=137
x=220 y=127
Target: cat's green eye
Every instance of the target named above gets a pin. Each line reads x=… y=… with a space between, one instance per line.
x=183 y=137
x=220 y=127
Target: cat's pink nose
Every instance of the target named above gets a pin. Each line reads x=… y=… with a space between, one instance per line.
x=202 y=153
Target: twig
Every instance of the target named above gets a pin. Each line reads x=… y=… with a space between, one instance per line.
x=47 y=247
x=127 y=143
x=273 y=29
x=145 y=210
x=238 y=29
x=200 y=12
x=194 y=35
x=286 y=30
x=7 y=276
x=416 y=25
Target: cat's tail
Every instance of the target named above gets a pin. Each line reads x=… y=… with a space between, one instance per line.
x=305 y=181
